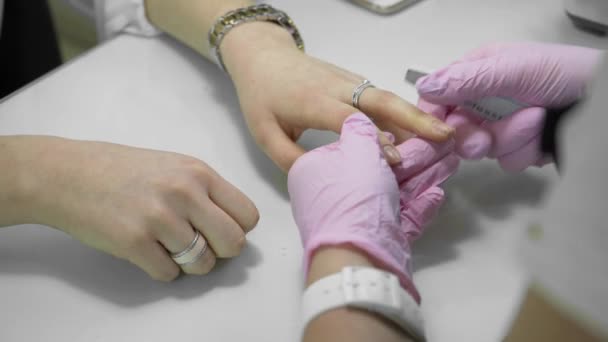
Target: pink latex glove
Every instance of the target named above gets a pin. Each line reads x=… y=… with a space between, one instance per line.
x=346 y=193
x=540 y=75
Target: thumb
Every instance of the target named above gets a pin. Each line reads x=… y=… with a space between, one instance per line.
x=278 y=146
x=460 y=82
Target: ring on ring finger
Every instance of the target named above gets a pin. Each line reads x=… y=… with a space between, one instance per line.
x=193 y=252
x=359 y=89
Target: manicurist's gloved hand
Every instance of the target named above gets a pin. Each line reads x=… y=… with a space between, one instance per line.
x=345 y=193
x=540 y=75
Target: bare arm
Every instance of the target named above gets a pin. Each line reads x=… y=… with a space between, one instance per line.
x=265 y=54
x=537 y=320
x=13 y=181
x=540 y=320
x=346 y=324
x=188 y=20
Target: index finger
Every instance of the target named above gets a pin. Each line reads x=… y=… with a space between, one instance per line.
x=386 y=106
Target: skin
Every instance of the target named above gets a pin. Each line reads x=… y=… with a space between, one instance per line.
x=132 y=203
x=538 y=319
x=346 y=324
x=142 y=205
x=283 y=91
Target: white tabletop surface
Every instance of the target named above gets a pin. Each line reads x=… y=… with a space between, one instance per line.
x=155 y=93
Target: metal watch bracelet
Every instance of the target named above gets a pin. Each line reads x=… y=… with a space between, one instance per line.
x=240 y=16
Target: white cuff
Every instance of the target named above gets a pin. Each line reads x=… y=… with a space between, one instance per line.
x=113 y=17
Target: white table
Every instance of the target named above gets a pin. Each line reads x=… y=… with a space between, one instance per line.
x=157 y=94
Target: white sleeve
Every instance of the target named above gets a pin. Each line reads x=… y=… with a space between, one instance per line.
x=116 y=16
x=567 y=252
x=113 y=17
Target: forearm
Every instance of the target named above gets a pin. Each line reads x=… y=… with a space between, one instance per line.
x=346 y=324
x=16 y=186
x=189 y=21
x=539 y=320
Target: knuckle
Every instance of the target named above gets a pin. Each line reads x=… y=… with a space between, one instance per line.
x=136 y=239
x=180 y=187
x=166 y=275
x=157 y=214
x=252 y=219
x=200 y=170
x=238 y=244
x=234 y=246
x=189 y=171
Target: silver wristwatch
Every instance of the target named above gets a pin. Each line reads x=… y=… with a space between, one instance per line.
x=245 y=15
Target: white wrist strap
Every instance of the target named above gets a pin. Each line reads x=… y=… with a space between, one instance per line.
x=364 y=288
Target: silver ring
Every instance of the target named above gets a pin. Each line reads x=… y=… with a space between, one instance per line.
x=193 y=252
x=359 y=90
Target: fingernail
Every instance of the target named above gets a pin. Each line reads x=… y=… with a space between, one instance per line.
x=389 y=136
x=392 y=153
x=442 y=128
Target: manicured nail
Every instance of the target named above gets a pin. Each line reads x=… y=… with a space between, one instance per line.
x=392 y=153
x=389 y=136
x=442 y=128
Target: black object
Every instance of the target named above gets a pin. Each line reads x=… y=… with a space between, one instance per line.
x=549 y=142
x=28 y=46
x=588 y=25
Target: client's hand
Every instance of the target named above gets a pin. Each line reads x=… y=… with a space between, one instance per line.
x=284 y=92
x=136 y=204
x=345 y=193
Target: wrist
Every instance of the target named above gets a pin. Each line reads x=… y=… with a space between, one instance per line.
x=247 y=43
x=43 y=178
x=19 y=187
x=327 y=255
x=329 y=260
x=343 y=288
